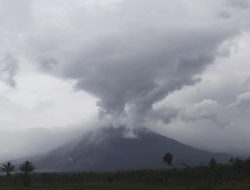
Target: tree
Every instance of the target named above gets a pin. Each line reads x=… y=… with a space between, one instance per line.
x=238 y=166
x=213 y=170
x=212 y=164
x=26 y=168
x=8 y=168
x=167 y=159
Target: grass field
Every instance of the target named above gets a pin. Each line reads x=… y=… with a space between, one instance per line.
x=126 y=187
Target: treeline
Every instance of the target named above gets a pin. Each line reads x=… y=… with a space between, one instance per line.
x=236 y=170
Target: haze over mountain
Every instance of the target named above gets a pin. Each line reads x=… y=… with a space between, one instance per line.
x=109 y=150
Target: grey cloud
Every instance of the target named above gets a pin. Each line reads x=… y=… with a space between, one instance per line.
x=165 y=114
x=243 y=100
x=14 y=15
x=147 y=54
x=243 y=4
x=48 y=64
x=19 y=144
x=138 y=80
x=209 y=125
x=8 y=70
x=215 y=117
x=207 y=110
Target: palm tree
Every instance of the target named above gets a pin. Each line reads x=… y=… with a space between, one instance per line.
x=8 y=168
x=167 y=159
x=26 y=168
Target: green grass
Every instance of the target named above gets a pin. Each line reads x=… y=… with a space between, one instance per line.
x=126 y=187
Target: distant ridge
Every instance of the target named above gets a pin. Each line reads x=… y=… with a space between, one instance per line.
x=109 y=151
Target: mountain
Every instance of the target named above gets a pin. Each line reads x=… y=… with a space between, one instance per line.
x=110 y=150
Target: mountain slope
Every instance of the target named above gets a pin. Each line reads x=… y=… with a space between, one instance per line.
x=111 y=151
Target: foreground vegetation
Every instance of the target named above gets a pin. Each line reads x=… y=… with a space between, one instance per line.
x=214 y=176
x=128 y=187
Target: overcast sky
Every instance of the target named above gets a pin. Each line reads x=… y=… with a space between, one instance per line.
x=178 y=67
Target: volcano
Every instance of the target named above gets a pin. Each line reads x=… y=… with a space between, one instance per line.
x=109 y=150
